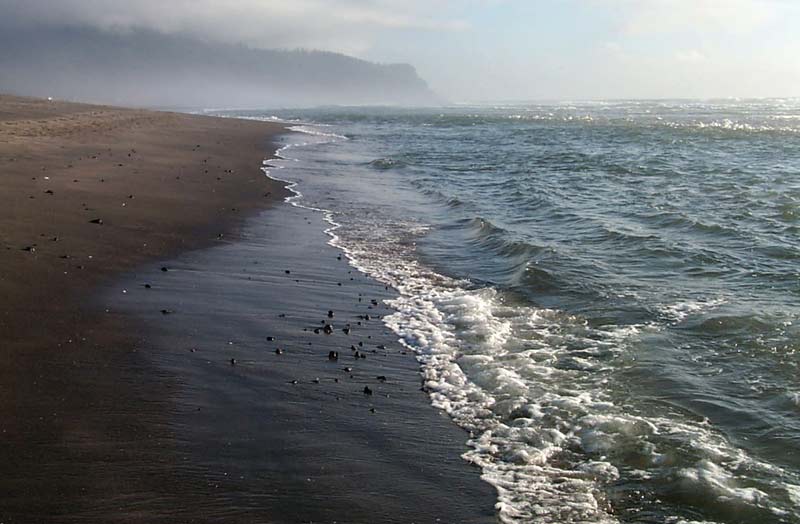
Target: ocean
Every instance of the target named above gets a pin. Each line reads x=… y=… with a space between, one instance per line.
x=605 y=296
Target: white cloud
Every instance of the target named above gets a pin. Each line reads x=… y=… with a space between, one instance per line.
x=341 y=25
x=664 y=16
x=690 y=56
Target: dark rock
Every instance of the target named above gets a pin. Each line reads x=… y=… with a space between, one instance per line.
x=333 y=355
x=367 y=391
x=381 y=378
x=233 y=362
x=98 y=221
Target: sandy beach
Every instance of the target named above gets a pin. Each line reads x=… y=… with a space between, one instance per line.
x=165 y=359
x=90 y=192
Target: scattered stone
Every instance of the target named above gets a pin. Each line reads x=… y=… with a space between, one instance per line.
x=233 y=362
x=30 y=249
x=333 y=355
x=330 y=314
x=98 y=221
x=287 y=272
x=348 y=369
x=278 y=351
x=164 y=269
x=367 y=391
x=328 y=329
x=270 y=339
x=346 y=330
x=316 y=380
x=381 y=378
x=147 y=286
x=166 y=311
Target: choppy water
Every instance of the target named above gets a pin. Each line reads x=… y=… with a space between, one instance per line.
x=605 y=295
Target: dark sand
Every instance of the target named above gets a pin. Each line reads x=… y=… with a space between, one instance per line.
x=81 y=416
x=119 y=401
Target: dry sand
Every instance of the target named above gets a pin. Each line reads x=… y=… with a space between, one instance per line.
x=87 y=193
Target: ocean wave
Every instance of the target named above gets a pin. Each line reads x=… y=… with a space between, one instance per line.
x=387 y=163
x=730 y=125
x=538 y=391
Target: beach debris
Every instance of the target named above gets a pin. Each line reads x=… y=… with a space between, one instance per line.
x=333 y=355
x=98 y=221
x=367 y=390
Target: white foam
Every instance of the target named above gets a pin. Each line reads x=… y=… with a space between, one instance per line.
x=531 y=386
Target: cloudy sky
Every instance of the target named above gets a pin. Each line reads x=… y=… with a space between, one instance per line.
x=497 y=49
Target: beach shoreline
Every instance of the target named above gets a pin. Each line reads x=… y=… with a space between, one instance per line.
x=167 y=357
x=89 y=193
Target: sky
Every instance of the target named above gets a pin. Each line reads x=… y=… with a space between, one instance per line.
x=481 y=50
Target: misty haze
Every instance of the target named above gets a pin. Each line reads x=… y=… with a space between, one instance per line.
x=383 y=261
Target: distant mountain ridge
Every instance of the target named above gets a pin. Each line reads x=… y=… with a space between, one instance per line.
x=153 y=69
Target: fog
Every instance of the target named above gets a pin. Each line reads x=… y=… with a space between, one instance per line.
x=146 y=68
x=205 y=51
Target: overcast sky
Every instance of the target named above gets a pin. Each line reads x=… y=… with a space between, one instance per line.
x=497 y=49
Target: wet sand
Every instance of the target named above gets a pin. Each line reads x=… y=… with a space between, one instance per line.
x=165 y=373
x=87 y=193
